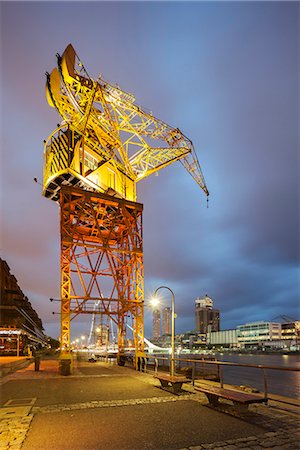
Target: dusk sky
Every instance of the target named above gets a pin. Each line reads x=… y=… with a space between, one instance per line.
x=227 y=75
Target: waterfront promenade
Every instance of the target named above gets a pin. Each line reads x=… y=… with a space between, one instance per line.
x=104 y=406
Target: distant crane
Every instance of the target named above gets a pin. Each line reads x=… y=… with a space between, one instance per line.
x=93 y=160
x=284 y=319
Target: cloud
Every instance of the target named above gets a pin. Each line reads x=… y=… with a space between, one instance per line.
x=227 y=77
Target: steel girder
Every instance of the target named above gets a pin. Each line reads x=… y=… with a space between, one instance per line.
x=101 y=260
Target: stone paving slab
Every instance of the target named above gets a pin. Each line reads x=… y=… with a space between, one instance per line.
x=11 y=412
x=106 y=404
x=13 y=432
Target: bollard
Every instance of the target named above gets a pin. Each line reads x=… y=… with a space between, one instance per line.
x=193 y=373
x=37 y=361
x=221 y=378
x=265 y=385
x=65 y=364
x=65 y=367
x=121 y=359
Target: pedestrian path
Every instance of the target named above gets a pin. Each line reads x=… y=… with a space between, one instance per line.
x=105 y=406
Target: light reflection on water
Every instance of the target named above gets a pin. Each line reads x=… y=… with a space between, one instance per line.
x=279 y=382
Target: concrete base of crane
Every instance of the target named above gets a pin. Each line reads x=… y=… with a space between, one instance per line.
x=65 y=364
x=121 y=358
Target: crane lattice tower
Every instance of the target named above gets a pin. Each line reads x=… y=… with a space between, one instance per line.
x=93 y=161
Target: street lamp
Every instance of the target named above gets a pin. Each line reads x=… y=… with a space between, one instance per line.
x=154 y=302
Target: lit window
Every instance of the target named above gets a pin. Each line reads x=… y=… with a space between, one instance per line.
x=111 y=179
x=89 y=160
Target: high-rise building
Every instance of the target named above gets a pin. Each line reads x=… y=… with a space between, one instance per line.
x=207 y=318
x=156 y=324
x=166 y=320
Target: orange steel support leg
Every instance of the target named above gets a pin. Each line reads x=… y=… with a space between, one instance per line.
x=66 y=244
x=102 y=260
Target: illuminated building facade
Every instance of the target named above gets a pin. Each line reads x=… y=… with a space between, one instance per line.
x=225 y=338
x=207 y=318
x=166 y=320
x=20 y=326
x=290 y=330
x=156 y=324
x=258 y=333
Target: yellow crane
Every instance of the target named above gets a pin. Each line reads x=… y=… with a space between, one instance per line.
x=104 y=145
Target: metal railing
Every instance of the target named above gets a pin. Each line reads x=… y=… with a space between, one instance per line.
x=195 y=364
x=196 y=368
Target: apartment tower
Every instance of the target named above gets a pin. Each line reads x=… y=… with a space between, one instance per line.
x=207 y=318
x=156 y=324
x=166 y=320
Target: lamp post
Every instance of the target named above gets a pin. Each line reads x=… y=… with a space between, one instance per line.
x=173 y=328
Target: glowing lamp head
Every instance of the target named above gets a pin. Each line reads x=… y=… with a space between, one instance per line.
x=154 y=302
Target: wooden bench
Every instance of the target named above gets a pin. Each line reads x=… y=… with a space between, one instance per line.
x=171 y=383
x=241 y=400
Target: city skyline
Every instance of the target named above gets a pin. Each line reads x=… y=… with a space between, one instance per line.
x=227 y=78
x=161 y=317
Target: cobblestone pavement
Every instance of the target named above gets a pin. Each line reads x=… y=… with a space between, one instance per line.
x=278 y=440
x=282 y=430
x=13 y=432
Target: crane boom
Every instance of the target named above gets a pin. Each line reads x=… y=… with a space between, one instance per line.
x=106 y=141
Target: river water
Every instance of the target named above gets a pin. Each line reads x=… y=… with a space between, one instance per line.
x=279 y=382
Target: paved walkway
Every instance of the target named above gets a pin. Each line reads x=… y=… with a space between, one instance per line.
x=105 y=406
